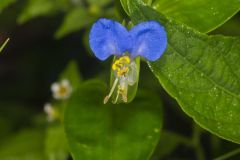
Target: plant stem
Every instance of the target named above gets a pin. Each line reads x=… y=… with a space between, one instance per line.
x=197 y=142
x=228 y=155
x=3 y=45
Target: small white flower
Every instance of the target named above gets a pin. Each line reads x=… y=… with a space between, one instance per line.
x=49 y=110
x=61 y=90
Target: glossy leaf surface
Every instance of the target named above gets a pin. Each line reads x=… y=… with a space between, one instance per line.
x=201 y=72
x=203 y=15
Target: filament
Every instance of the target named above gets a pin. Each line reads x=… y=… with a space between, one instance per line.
x=111 y=91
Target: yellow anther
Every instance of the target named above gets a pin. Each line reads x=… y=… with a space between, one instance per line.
x=117 y=65
x=123 y=71
x=121 y=65
x=125 y=59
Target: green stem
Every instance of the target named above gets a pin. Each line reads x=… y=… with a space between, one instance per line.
x=4 y=44
x=197 y=142
x=228 y=155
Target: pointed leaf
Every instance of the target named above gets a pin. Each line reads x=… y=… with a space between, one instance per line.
x=75 y=20
x=201 y=72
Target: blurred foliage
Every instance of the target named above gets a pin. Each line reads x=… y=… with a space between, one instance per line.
x=49 y=42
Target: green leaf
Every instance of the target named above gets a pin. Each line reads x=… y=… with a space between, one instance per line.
x=119 y=132
x=28 y=144
x=36 y=8
x=75 y=20
x=56 y=143
x=203 y=15
x=5 y=3
x=72 y=74
x=201 y=72
x=230 y=28
x=3 y=45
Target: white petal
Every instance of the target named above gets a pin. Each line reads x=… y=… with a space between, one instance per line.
x=65 y=83
x=48 y=108
x=55 y=87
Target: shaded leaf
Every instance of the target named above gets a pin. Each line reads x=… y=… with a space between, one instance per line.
x=56 y=143
x=201 y=72
x=6 y=3
x=36 y=8
x=26 y=145
x=119 y=132
x=168 y=142
x=75 y=20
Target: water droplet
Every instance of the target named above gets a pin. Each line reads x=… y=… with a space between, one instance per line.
x=156 y=130
x=234 y=104
x=219 y=127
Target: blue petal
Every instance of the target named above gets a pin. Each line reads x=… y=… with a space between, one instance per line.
x=149 y=40
x=108 y=37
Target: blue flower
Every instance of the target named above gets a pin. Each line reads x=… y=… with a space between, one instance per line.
x=147 y=39
x=108 y=37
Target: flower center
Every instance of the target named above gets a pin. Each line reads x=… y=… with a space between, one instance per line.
x=62 y=90
x=125 y=74
x=121 y=66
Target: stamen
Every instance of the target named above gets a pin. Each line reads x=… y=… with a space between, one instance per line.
x=116 y=99
x=124 y=92
x=125 y=74
x=111 y=91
